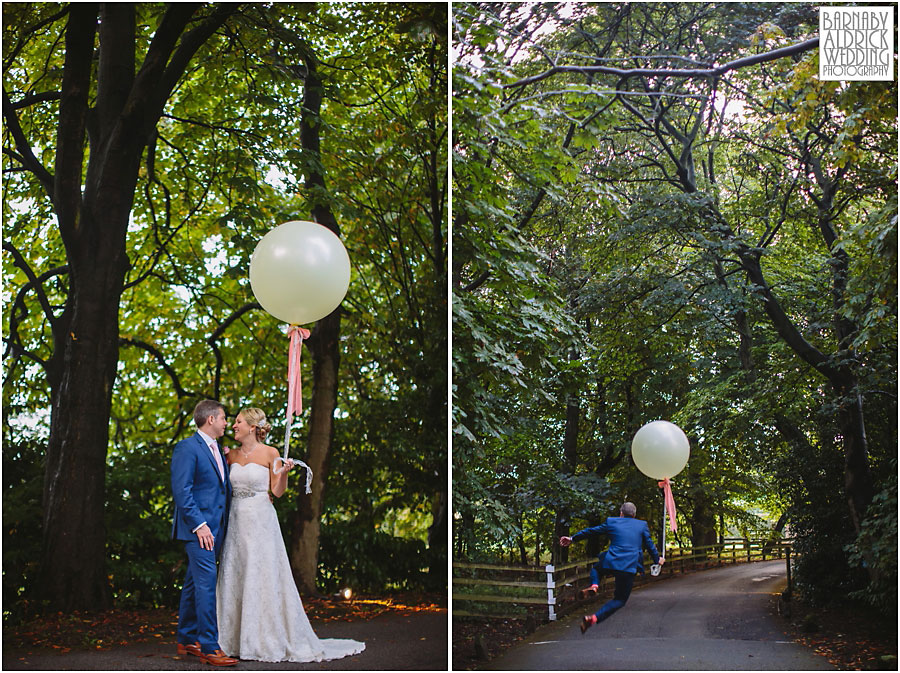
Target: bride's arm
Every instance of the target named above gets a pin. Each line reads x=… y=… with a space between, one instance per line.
x=277 y=482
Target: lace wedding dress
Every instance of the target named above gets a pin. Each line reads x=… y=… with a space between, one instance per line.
x=258 y=607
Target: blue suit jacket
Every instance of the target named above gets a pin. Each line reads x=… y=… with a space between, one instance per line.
x=199 y=491
x=627 y=536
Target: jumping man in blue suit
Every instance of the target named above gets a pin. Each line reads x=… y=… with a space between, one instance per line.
x=202 y=492
x=624 y=558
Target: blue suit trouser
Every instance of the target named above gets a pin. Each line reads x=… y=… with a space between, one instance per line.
x=624 y=584
x=197 y=610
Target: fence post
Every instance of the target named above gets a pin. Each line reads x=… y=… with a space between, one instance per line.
x=551 y=599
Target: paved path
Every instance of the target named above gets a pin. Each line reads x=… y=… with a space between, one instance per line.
x=714 y=620
x=394 y=641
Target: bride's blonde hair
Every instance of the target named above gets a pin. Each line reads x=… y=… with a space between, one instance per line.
x=254 y=416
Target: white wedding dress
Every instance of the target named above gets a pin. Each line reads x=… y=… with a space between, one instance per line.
x=259 y=611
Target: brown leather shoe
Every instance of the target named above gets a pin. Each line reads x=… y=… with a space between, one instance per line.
x=190 y=648
x=218 y=658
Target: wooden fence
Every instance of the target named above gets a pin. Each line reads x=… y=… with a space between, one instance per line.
x=545 y=592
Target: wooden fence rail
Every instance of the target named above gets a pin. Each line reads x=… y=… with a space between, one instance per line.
x=545 y=592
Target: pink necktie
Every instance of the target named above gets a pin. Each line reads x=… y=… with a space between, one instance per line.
x=212 y=447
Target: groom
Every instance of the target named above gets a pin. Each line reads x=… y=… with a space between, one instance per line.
x=202 y=494
x=623 y=559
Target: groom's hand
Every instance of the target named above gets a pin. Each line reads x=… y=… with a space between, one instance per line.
x=565 y=541
x=205 y=538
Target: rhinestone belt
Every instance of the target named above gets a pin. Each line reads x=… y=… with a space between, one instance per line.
x=245 y=493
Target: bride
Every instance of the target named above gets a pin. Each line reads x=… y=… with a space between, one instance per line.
x=259 y=610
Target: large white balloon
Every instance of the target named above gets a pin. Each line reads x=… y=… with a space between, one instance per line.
x=660 y=449
x=299 y=272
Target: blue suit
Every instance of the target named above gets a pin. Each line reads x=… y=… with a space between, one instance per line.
x=200 y=495
x=627 y=538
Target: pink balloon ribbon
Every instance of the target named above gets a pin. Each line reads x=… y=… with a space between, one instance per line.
x=295 y=384
x=666 y=486
x=295 y=396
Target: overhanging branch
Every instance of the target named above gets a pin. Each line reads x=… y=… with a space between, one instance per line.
x=214 y=337
x=25 y=154
x=160 y=358
x=672 y=72
x=33 y=281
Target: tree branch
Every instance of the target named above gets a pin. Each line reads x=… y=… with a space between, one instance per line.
x=20 y=351
x=478 y=282
x=787 y=330
x=31 y=99
x=73 y=111
x=188 y=46
x=115 y=70
x=33 y=281
x=26 y=155
x=672 y=72
x=30 y=31
x=215 y=337
x=216 y=127
x=160 y=358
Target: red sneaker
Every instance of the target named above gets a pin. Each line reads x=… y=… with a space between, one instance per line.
x=587 y=622
x=590 y=591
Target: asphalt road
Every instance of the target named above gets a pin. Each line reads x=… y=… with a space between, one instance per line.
x=715 y=620
x=394 y=642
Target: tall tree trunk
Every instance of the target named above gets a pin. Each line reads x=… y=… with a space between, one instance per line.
x=570 y=457
x=306 y=518
x=520 y=542
x=325 y=346
x=437 y=543
x=93 y=222
x=703 y=522
x=73 y=555
x=858 y=488
x=73 y=559
x=560 y=528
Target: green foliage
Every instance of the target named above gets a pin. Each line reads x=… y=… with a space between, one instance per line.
x=146 y=567
x=876 y=550
x=22 y=493
x=810 y=478
x=366 y=560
